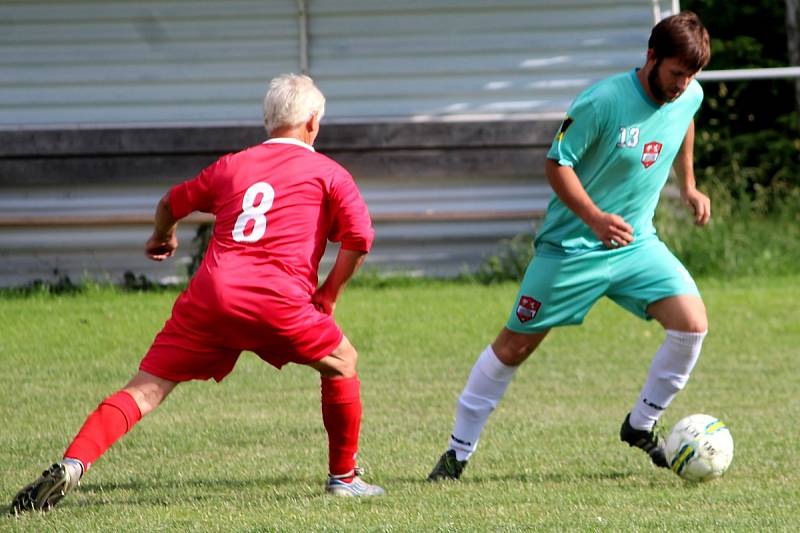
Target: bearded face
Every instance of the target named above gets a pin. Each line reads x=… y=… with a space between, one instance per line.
x=668 y=79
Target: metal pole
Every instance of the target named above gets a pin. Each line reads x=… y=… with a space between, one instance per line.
x=302 y=21
x=750 y=74
x=656 y=11
x=793 y=43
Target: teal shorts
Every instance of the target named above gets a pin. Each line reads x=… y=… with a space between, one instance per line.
x=559 y=289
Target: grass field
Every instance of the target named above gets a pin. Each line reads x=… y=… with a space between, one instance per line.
x=249 y=454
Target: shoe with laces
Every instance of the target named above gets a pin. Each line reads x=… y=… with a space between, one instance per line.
x=339 y=486
x=44 y=493
x=448 y=467
x=645 y=440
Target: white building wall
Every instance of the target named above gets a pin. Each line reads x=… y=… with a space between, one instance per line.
x=103 y=62
x=118 y=62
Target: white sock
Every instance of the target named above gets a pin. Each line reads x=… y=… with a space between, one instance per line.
x=77 y=462
x=486 y=385
x=668 y=374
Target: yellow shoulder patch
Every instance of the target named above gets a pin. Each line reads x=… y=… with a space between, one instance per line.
x=563 y=129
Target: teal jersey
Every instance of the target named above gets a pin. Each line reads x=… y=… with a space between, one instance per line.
x=621 y=145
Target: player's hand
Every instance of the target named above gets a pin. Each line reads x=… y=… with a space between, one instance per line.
x=612 y=230
x=324 y=303
x=159 y=248
x=699 y=203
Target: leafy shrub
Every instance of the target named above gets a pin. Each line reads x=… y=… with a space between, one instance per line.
x=742 y=238
x=509 y=263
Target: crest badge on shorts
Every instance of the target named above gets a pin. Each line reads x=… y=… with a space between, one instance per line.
x=527 y=308
x=650 y=153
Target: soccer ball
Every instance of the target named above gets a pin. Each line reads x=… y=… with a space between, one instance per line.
x=699 y=448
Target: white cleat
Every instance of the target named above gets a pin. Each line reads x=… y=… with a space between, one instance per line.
x=336 y=486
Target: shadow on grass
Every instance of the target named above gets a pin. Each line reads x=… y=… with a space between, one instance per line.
x=566 y=477
x=151 y=484
x=185 y=489
x=169 y=491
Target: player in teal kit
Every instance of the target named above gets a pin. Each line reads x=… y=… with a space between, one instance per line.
x=607 y=165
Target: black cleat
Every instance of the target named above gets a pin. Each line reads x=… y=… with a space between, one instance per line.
x=448 y=467
x=645 y=440
x=48 y=489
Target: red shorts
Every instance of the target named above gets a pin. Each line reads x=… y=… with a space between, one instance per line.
x=198 y=344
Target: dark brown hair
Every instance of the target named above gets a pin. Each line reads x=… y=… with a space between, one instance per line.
x=682 y=37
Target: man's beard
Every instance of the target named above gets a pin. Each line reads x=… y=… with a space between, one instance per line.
x=655 y=85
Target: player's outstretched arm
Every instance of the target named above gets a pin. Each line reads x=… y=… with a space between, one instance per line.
x=611 y=229
x=347 y=263
x=163 y=242
x=698 y=202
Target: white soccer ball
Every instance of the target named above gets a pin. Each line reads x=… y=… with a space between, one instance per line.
x=699 y=448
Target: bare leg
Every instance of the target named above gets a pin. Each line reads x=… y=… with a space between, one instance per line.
x=148 y=390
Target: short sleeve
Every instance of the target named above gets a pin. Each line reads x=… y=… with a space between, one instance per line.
x=352 y=225
x=697 y=92
x=577 y=132
x=196 y=194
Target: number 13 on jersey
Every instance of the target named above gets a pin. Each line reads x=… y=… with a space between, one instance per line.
x=256 y=213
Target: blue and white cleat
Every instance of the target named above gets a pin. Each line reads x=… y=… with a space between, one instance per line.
x=337 y=486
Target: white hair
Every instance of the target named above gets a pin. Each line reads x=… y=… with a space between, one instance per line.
x=291 y=100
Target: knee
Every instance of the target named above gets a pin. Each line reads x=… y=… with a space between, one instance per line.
x=696 y=323
x=340 y=364
x=513 y=348
x=348 y=364
x=690 y=322
x=149 y=395
x=146 y=399
x=681 y=313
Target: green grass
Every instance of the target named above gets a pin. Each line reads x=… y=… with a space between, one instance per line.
x=249 y=454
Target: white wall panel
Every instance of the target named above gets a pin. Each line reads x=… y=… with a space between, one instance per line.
x=455 y=59
x=200 y=61
x=119 y=62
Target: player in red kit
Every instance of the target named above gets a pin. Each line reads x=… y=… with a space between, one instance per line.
x=276 y=205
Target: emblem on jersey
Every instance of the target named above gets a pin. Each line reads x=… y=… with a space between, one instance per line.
x=527 y=308
x=563 y=129
x=650 y=153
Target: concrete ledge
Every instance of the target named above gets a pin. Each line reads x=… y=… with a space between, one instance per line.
x=171 y=154
x=86 y=142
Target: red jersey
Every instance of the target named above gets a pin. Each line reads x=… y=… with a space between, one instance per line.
x=276 y=205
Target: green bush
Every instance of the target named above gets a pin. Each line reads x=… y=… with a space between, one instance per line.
x=760 y=169
x=508 y=263
x=739 y=240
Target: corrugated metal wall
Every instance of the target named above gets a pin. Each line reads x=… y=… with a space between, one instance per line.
x=112 y=62
x=409 y=235
x=195 y=62
x=452 y=58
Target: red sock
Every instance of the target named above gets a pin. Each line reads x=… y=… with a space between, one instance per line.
x=114 y=417
x=341 y=414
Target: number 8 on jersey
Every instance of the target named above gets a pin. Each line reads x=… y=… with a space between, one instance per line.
x=256 y=213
